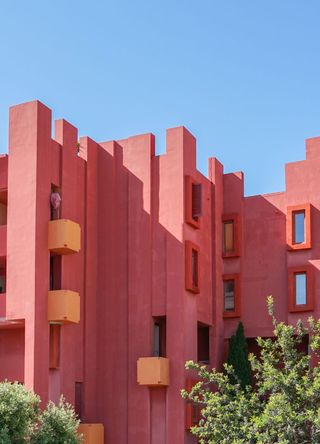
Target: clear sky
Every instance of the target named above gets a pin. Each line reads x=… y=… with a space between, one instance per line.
x=242 y=75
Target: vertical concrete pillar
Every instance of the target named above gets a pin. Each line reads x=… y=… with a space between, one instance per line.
x=28 y=215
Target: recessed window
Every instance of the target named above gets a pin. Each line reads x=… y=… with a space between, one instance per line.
x=231 y=296
x=193 y=201
x=299 y=226
x=301 y=288
x=159 y=336
x=203 y=343
x=3 y=206
x=192 y=267
x=228 y=238
x=230 y=235
x=196 y=201
x=2 y=282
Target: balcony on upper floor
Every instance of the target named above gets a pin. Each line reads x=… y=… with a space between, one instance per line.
x=64 y=236
x=92 y=433
x=63 y=307
x=153 y=371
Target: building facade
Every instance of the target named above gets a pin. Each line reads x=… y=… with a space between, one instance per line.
x=118 y=265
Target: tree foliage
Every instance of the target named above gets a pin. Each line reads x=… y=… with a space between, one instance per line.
x=238 y=357
x=22 y=421
x=282 y=406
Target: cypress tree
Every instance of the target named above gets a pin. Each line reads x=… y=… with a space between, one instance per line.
x=238 y=357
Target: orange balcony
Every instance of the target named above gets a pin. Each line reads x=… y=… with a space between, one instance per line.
x=64 y=236
x=64 y=307
x=153 y=371
x=92 y=433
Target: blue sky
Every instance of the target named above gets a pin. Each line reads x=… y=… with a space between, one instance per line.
x=242 y=76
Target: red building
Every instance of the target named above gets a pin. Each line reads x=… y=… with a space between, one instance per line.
x=144 y=264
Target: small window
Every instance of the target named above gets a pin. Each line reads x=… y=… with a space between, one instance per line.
x=78 y=399
x=231 y=296
x=3 y=206
x=192 y=267
x=300 y=286
x=299 y=227
x=193 y=410
x=203 y=343
x=159 y=336
x=2 y=284
x=230 y=235
x=193 y=202
x=196 y=201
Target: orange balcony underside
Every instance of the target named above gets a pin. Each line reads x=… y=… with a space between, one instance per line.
x=63 y=307
x=153 y=371
x=64 y=236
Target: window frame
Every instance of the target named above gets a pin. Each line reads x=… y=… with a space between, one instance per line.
x=237 y=296
x=192 y=409
x=291 y=211
x=189 y=284
x=189 y=182
x=235 y=219
x=293 y=307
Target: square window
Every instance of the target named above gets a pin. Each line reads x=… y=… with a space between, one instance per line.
x=231 y=296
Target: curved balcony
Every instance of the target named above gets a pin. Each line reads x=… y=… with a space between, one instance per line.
x=64 y=236
x=63 y=307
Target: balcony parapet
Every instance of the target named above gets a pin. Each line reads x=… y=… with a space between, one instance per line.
x=64 y=236
x=63 y=307
x=153 y=371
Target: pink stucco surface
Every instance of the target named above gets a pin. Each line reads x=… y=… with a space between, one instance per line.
x=130 y=205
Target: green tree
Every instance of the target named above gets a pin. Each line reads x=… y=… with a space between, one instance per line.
x=22 y=421
x=19 y=410
x=57 y=424
x=283 y=406
x=238 y=357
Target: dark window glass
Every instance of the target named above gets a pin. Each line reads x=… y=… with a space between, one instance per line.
x=229 y=295
x=194 y=268
x=203 y=343
x=196 y=200
x=159 y=336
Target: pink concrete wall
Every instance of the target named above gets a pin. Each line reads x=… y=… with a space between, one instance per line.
x=130 y=205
